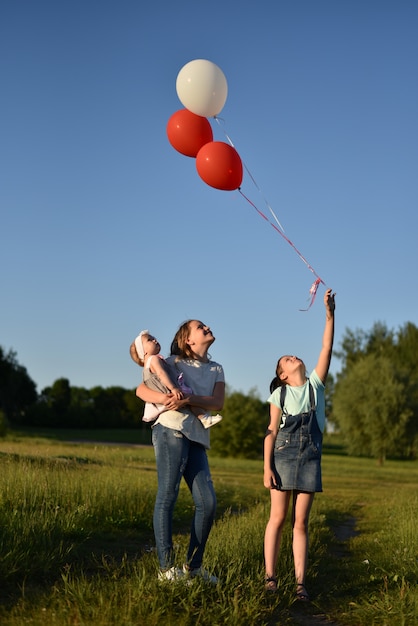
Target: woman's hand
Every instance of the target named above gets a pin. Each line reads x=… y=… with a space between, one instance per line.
x=177 y=393
x=173 y=403
x=169 y=400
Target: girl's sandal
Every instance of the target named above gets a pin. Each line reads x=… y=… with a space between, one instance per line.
x=270 y=583
x=301 y=593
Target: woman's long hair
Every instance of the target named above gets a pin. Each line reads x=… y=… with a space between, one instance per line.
x=179 y=345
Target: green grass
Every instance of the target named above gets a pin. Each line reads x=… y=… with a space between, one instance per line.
x=77 y=545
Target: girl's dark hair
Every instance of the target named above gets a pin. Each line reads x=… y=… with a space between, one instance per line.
x=277 y=381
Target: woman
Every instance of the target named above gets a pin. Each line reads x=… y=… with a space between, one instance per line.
x=145 y=351
x=292 y=451
x=180 y=443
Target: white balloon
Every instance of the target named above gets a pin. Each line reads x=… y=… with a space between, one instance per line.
x=202 y=88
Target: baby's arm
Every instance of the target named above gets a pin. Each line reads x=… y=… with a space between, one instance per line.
x=156 y=366
x=157 y=397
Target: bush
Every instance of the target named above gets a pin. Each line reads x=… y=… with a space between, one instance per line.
x=3 y=424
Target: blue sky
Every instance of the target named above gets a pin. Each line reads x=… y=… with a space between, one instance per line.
x=106 y=229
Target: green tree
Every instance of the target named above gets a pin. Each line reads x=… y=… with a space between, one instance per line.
x=63 y=406
x=329 y=393
x=370 y=403
x=358 y=343
x=401 y=348
x=17 y=389
x=58 y=399
x=405 y=355
x=114 y=407
x=241 y=433
x=134 y=408
x=3 y=424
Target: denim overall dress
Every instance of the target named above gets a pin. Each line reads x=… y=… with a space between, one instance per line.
x=298 y=449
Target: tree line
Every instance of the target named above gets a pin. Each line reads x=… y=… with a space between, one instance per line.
x=372 y=402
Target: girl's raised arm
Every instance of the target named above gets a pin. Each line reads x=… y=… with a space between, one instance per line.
x=324 y=358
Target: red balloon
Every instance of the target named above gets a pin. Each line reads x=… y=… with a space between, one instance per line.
x=188 y=132
x=219 y=165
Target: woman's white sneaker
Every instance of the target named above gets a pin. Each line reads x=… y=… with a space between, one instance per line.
x=173 y=574
x=201 y=573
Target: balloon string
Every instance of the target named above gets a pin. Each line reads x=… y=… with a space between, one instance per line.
x=314 y=288
x=218 y=121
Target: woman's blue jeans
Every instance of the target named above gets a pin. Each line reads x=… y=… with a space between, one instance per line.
x=178 y=457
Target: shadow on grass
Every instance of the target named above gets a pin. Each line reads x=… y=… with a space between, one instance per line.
x=128 y=436
x=334 y=445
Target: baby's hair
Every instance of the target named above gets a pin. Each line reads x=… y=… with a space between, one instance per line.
x=134 y=355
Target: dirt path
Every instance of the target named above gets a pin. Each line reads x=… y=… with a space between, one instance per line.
x=304 y=614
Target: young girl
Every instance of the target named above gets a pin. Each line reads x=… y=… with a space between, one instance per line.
x=292 y=451
x=145 y=351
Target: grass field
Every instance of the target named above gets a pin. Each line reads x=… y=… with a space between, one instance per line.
x=77 y=544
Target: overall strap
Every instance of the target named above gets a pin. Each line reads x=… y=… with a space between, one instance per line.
x=282 y=396
x=311 y=396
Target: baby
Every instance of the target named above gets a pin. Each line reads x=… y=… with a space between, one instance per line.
x=156 y=377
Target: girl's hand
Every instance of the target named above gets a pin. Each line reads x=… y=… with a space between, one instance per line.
x=269 y=479
x=329 y=301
